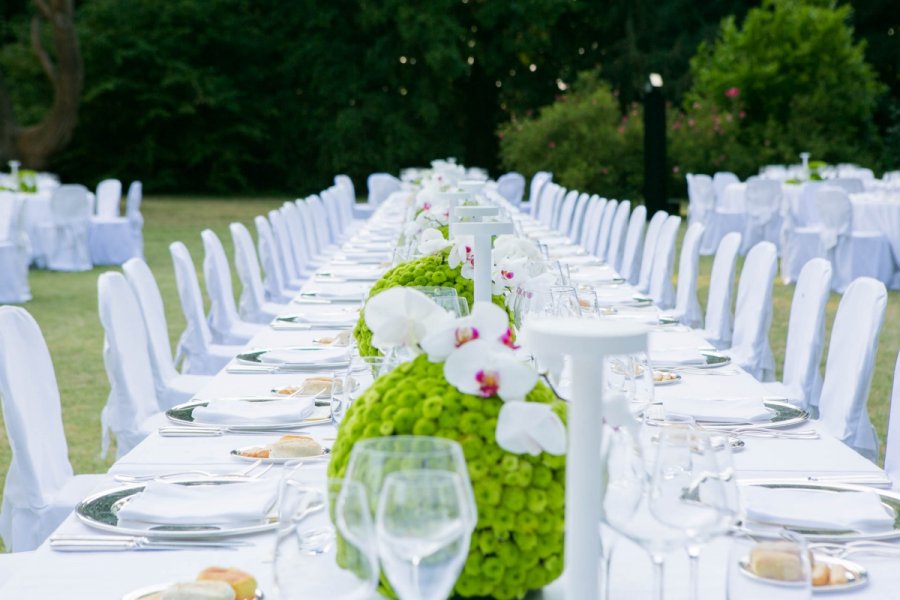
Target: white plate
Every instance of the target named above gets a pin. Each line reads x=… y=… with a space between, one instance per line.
x=325 y=456
x=857 y=576
x=151 y=592
x=677 y=379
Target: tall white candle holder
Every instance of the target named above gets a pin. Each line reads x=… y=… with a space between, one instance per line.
x=482 y=233
x=587 y=342
x=14 y=168
x=475 y=213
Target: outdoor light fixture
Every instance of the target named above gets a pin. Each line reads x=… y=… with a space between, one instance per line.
x=656 y=80
x=655 y=145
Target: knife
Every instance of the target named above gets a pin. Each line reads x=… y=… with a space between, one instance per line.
x=96 y=543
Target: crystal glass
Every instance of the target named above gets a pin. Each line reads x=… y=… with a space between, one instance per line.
x=632 y=376
x=545 y=301
x=627 y=464
x=445 y=297
x=588 y=301
x=325 y=544
x=743 y=584
x=694 y=489
x=423 y=529
x=349 y=384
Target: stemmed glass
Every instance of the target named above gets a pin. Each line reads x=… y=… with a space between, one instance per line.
x=694 y=489
x=325 y=544
x=423 y=530
x=348 y=385
x=631 y=375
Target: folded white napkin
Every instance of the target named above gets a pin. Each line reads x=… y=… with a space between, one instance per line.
x=676 y=358
x=592 y=274
x=168 y=503
x=338 y=293
x=289 y=357
x=675 y=340
x=729 y=410
x=327 y=318
x=817 y=509
x=584 y=259
x=373 y=272
x=241 y=412
x=613 y=296
x=563 y=251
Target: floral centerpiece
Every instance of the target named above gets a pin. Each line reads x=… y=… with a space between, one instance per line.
x=466 y=383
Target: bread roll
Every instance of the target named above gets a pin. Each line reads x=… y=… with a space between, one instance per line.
x=199 y=590
x=294 y=446
x=243 y=584
x=776 y=560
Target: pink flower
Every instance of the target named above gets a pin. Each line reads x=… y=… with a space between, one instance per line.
x=621 y=129
x=551 y=145
x=463 y=335
x=742 y=114
x=732 y=92
x=507 y=339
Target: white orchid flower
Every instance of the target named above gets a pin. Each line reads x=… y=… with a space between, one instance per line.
x=487 y=368
x=432 y=241
x=508 y=274
x=508 y=247
x=487 y=322
x=530 y=428
x=461 y=255
x=402 y=316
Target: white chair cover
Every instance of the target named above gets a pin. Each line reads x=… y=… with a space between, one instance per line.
x=577 y=224
x=325 y=232
x=753 y=314
x=109 y=195
x=542 y=193
x=606 y=223
x=331 y=204
x=802 y=380
x=564 y=218
x=661 y=289
x=295 y=231
x=551 y=195
x=721 y=285
x=288 y=261
x=687 y=307
x=132 y=397
x=799 y=232
x=171 y=387
x=40 y=489
x=538 y=180
x=381 y=185
x=631 y=255
x=195 y=347
x=15 y=251
x=134 y=216
x=701 y=208
x=345 y=184
x=270 y=257
x=850 y=185
x=512 y=187
x=556 y=205
x=224 y=321
x=762 y=199
x=892 y=445
x=617 y=235
x=649 y=251
x=850 y=364
x=66 y=239
x=253 y=305
x=308 y=233
x=591 y=219
x=722 y=180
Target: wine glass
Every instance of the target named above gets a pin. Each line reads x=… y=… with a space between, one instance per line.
x=744 y=584
x=694 y=489
x=349 y=384
x=423 y=531
x=626 y=462
x=325 y=543
x=632 y=376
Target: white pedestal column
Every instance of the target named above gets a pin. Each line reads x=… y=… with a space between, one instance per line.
x=482 y=234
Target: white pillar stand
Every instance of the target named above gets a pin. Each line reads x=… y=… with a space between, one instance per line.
x=476 y=213
x=482 y=233
x=587 y=342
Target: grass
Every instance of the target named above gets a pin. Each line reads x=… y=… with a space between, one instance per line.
x=65 y=306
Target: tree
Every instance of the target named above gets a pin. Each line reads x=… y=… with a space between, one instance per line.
x=35 y=144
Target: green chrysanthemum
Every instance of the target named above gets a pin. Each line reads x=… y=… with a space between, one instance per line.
x=426 y=271
x=517 y=545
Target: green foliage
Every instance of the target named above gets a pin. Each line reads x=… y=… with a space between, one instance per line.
x=801 y=80
x=583 y=139
x=518 y=543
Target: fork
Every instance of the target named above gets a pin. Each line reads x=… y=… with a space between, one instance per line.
x=860 y=547
x=238 y=474
x=763 y=432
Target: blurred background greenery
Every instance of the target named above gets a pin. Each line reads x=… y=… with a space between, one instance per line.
x=272 y=96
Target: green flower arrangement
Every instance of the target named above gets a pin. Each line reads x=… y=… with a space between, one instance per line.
x=430 y=270
x=517 y=545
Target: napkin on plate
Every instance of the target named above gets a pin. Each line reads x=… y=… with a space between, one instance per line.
x=676 y=358
x=728 y=410
x=327 y=318
x=230 y=411
x=613 y=296
x=167 y=503
x=336 y=294
x=356 y=272
x=594 y=274
x=289 y=357
x=817 y=509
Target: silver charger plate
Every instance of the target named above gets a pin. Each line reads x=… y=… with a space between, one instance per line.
x=183 y=414
x=890 y=501
x=308 y=322
x=857 y=576
x=152 y=592
x=784 y=414
x=713 y=359
x=675 y=379
x=254 y=357
x=237 y=453
x=100 y=510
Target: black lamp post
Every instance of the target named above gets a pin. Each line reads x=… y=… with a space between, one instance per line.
x=655 y=145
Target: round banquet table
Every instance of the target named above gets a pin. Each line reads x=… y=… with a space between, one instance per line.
x=879 y=212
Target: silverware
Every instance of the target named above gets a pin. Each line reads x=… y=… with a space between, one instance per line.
x=763 y=432
x=214 y=431
x=860 y=547
x=277 y=369
x=101 y=543
x=244 y=474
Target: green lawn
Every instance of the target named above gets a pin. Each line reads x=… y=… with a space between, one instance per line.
x=65 y=305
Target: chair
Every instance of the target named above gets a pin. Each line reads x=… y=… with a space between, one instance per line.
x=750 y=348
x=892 y=445
x=132 y=411
x=352 y=210
x=649 y=250
x=109 y=195
x=318 y=254
x=15 y=251
x=551 y=193
x=801 y=213
x=224 y=321
x=326 y=232
x=171 y=386
x=567 y=209
x=722 y=180
x=661 y=289
x=701 y=204
x=729 y=211
x=538 y=182
x=721 y=285
x=296 y=234
x=512 y=187
x=270 y=257
x=134 y=216
x=687 y=307
x=253 y=305
x=293 y=279
x=195 y=346
x=850 y=364
x=601 y=241
x=66 y=239
x=763 y=204
x=801 y=381
x=592 y=220
x=41 y=489
x=631 y=255
x=617 y=235
x=848 y=184
x=111 y=237
x=577 y=225
x=380 y=186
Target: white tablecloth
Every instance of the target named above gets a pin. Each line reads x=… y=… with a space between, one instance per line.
x=879 y=212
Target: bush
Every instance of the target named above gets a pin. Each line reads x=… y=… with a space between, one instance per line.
x=583 y=138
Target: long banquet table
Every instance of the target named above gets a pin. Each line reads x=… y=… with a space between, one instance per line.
x=50 y=574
